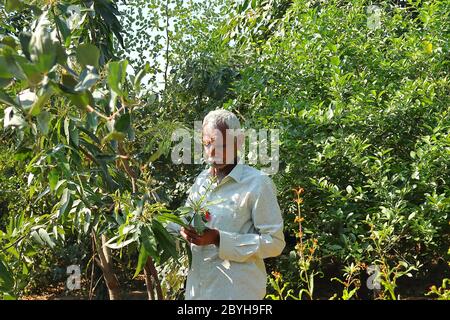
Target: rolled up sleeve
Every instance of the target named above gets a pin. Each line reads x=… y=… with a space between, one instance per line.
x=268 y=222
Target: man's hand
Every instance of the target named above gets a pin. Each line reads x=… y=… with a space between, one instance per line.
x=209 y=236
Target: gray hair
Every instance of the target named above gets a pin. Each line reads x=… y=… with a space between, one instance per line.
x=222 y=118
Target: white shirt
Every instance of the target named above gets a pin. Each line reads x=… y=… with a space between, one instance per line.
x=251 y=229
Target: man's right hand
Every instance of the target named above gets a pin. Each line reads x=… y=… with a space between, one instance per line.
x=209 y=236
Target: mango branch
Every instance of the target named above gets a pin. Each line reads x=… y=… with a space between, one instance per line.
x=126 y=165
x=149 y=268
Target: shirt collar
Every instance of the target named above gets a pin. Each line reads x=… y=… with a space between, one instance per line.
x=236 y=173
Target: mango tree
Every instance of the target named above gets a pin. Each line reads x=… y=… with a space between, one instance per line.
x=75 y=108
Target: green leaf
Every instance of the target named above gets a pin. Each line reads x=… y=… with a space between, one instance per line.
x=32 y=101
x=335 y=61
x=44 y=236
x=199 y=225
x=74 y=134
x=116 y=75
x=68 y=83
x=120 y=245
x=41 y=100
x=4 y=82
x=164 y=238
x=169 y=217
x=189 y=253
x=108 y=12
x=5 y=71
x=412 y=215
x=123 y=124
x=88 y=78
x=82 y=99
x=63 y=28
x=43 y=120
x=8 y=296
x=65 y=203
x=6 y=99
x=12 y=5
x=106 y=157
x=6 y=279
x=149 y=242
x=40 y=195
x=143 y=256
x=36 y=237
x=91 y=121
x=88 y=55
x=53 y=178
x=25 y=38
x=66 y=129
x=42 y=46
x=184 y=210
x=119 y=136
x=214 y=202
x=140 y=75
x=71 y=132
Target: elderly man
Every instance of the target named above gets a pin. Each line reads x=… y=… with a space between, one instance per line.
x=245 y=224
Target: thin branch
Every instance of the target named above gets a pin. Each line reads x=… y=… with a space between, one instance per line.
x=112 y=116
x=12 y=244
x=91 y=291
x=91 y=109
x=125 y=161
x=167 y=45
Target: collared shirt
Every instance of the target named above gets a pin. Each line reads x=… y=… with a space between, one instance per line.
x=248 y=217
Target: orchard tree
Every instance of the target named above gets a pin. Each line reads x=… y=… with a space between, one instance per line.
x=74 y=107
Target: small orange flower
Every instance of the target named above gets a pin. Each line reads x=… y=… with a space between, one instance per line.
x=299 y=247
x=276 y=274
x=298 y=219
x=298 y=191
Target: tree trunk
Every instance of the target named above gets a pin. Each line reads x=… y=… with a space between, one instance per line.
x=149 y=283
x=150 y=271
x=104 y=261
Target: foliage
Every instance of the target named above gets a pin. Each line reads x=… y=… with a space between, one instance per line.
x=361 y=101
x=351 y=283
x=364 y=117
x=363 y=112
x=74 y=110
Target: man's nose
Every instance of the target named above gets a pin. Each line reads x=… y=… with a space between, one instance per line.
x=210 y=150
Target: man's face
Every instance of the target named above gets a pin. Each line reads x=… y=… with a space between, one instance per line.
x=216 y=147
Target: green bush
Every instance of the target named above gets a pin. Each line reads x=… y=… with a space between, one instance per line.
x=363 y=110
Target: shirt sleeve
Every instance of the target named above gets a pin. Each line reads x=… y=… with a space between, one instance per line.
x=268 y=222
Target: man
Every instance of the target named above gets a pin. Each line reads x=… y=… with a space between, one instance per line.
x=245 y=227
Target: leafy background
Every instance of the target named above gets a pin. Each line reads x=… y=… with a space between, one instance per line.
x=363 y=113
